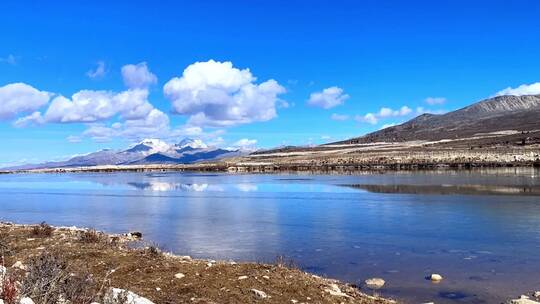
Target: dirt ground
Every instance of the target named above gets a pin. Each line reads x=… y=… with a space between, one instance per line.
x=163 y=278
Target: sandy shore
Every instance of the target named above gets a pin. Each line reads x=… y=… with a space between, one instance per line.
x=107 y=261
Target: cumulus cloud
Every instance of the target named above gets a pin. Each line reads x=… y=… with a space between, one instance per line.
x=245 y=143
x=373 y=118
x=524 y=89
x=154 y=124
x=217 y=94
x=339 y=117
x=369 y=118
x=138 y=75
x=93 y=106
x=435 y=101
x=388 y=112
x=98 y=72
x=17 y=98
x=328 y=98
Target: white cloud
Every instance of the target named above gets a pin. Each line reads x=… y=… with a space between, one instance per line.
x=34 y=118
x=155 y=124
x=328 y=98
x=138 y=76
x=245 y=143
x=217 y=94
x=10 y=59
x=369 y=118
x=435 y=100
x=388 y=125
x=16 y=98
x=388 y=112
x=524 y=89
x=339 y=117
x=384 y=112
x=98 y=72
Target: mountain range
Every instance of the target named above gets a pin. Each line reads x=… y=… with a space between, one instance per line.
x=148 y=151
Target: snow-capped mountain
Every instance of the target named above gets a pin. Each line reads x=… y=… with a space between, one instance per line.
x=148 y=151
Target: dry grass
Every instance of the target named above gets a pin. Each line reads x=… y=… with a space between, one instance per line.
x=94 y=267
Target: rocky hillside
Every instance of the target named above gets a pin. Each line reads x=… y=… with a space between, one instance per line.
x=501 y=113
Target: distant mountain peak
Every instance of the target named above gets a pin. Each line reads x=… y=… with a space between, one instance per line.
x=192 y=143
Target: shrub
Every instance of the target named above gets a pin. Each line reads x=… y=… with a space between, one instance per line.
x=48 y=281
x=91 y=236
x=9 y=290
x=42 y=230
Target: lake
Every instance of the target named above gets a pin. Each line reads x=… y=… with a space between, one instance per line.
x=480 y=229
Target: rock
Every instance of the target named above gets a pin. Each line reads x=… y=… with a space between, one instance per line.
x=374 y=283
x=334 y=290
x=179 y=275
x=135 y=234
x=114 y=293
x=19 y=265
x=266 y=277
x=523 y=300
x=3 y=272
x=259 y=294
x=242 y=277
x=26 y=301
x=536 y=294
x=1 y=301
x=435 y=277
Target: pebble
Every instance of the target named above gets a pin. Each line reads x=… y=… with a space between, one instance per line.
x=374 y=283
x=266 y=277
x=26 y=301
x=259 y=294
x=435 y=277
x=179 y=275
x=242 y=277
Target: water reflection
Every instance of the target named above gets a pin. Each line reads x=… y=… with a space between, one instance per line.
x=451 y=189
x=484 y=245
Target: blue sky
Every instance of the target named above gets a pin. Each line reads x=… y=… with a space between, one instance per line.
x=393 y=59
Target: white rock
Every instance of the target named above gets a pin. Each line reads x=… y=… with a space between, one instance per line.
x=1 y=301
x=523 y=300
x=436 y=277
x=179 y=275
x=19 y=265
x=132 y=298
x=26 y=301
x=536 y=294
x=334 y=290
x=242 y=277
x=266 y=277
x=375 y=283
x=3 y=272
x=259 y=294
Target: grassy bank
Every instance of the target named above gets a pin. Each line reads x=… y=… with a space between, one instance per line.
x=87 y=263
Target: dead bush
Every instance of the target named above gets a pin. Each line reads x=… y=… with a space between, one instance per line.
x=48 y=281
x=91 y=237
x=42 y=230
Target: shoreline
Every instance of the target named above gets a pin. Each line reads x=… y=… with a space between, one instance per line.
x=283 y=168
x=120 y=261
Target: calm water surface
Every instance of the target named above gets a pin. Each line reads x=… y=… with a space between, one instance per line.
x=479 y=229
